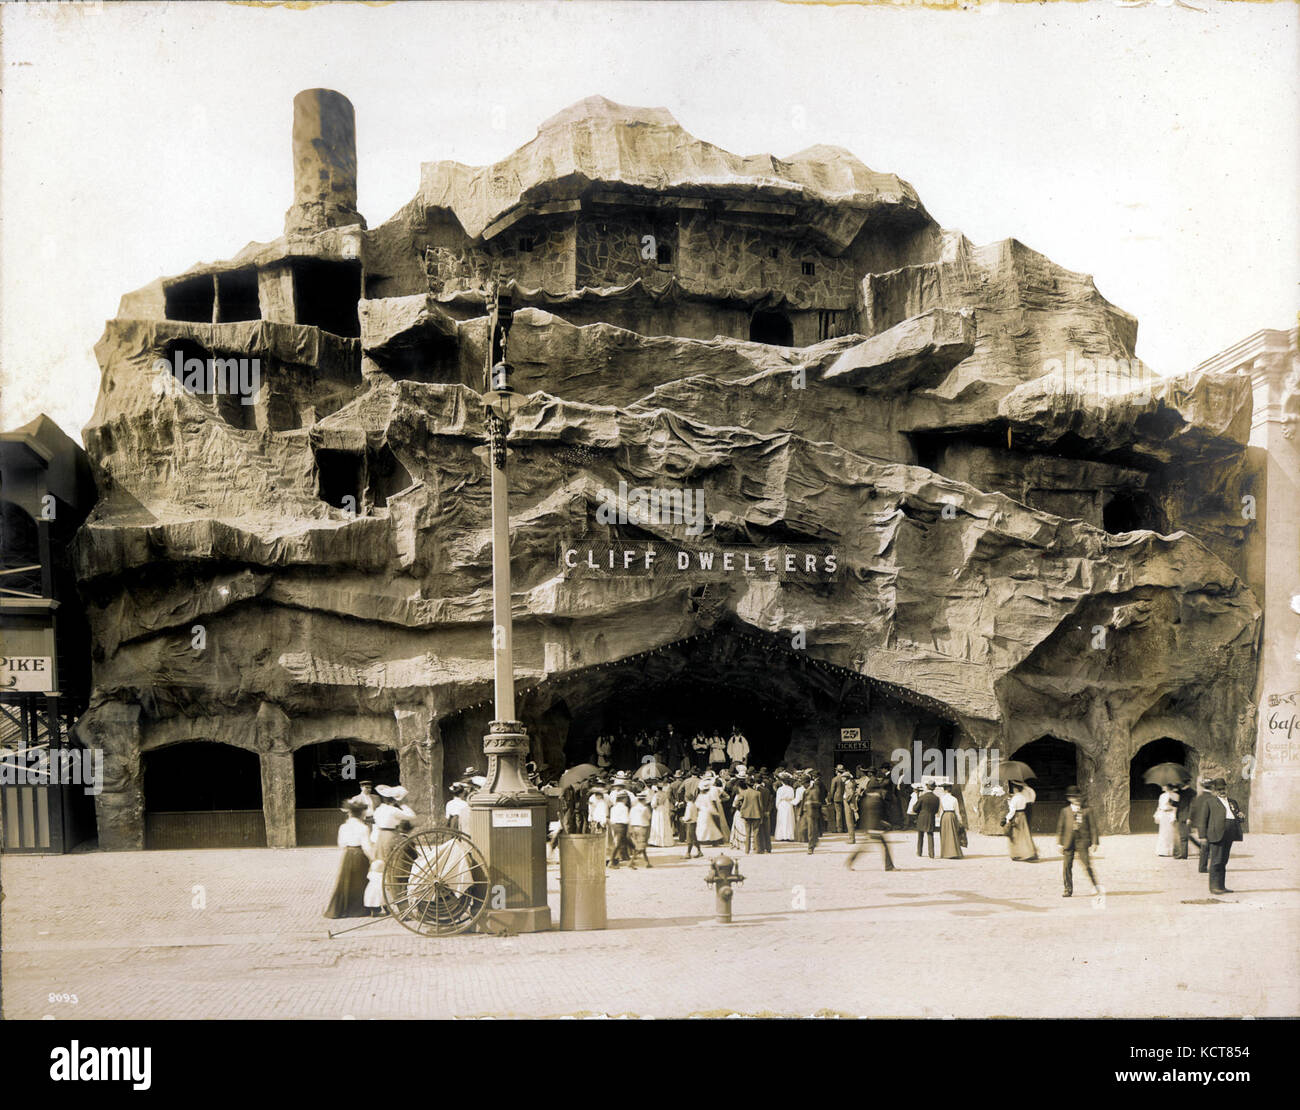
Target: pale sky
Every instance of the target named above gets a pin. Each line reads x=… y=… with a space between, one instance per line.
x=1153 y=147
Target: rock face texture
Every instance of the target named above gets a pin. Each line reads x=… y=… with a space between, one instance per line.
x=914 y=520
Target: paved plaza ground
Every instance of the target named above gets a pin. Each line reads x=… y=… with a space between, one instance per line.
x=981 y=937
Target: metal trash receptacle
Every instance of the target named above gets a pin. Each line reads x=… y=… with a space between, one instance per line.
x=582 y=881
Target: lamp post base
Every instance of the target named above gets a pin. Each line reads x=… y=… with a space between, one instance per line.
x=507 y=821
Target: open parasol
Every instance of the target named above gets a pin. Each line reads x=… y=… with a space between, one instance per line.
x=581 y=773
x=648 y=771
x=1012 y=770
x=1168 y=774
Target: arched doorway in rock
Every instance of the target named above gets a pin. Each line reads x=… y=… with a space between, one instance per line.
x=202 y=794
x=767 y=325
x=326 y=774
x=791 y=707
x=1055 y=764
x=1143 y=797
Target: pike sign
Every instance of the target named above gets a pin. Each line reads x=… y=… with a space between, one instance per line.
x=27 y=674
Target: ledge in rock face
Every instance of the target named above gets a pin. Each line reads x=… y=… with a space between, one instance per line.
x=918 y=352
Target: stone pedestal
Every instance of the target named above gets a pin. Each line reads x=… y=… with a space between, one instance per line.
x=508 y=824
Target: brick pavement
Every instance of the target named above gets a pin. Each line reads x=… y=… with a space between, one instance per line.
x=972 y=938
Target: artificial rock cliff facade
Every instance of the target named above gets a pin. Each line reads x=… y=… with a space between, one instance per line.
x=1022 y=553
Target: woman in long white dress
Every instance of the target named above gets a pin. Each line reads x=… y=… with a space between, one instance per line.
x=661 y=819
x=738 y=824
x=784 y=812
x=1167 y=819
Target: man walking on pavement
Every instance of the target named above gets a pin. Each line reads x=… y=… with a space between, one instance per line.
x=1076 y=832
x=927 y=807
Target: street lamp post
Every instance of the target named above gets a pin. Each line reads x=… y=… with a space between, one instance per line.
x=508 y=814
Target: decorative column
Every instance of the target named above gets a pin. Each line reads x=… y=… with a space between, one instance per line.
x=508 y=815
x=1273 y=554
x=114 y=729
x=279 y=806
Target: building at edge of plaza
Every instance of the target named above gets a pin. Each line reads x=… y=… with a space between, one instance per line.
x=989 y=528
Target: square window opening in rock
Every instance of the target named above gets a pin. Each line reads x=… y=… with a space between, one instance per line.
x=326 y=295
x=237 y=296
x=190 y=299
x=340 y=478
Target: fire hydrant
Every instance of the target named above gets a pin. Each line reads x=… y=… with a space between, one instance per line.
x=722 y=873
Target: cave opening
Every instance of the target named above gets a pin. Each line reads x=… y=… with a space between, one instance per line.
x=190 y=299
x=326 y=295
x=1143 y=796
x=792 y=709
x=237 y=296
x=772 y=327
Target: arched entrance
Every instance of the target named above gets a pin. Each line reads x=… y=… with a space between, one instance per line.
x=1143 y=797
x=326 y=774
x=1055 y=764
x=770 y=326
x=793 y=709
x=203 y=794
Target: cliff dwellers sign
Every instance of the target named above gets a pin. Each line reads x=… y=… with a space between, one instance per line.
x=27 y=674
x=662 y=558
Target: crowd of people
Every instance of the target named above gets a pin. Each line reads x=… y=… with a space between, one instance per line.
x=728 y=804
x=707 y=748
x=749 y=810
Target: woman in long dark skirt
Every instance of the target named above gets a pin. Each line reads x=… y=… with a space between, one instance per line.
x=1020 y=843
x=348 y=899
x=949 y=824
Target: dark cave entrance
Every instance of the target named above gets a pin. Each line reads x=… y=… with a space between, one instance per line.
x=770 y=326
x=791 y=707
x=1143 y=796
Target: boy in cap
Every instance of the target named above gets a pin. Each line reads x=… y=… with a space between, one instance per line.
x=1076 y=832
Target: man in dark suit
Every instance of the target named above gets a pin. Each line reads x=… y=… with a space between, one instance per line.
x=749 y=805
x=1196 y=818
x=872 y=804
x=767 y=797
x=812 y=810
x=837 y=799
x=1076 y=833
x=1221 y=829
x=927 y=806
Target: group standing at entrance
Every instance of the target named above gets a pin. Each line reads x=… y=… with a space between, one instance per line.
x=730 y=805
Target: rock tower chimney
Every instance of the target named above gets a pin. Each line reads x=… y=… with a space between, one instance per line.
x=324 y=163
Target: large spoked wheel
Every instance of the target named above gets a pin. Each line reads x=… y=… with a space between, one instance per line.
x=436 y=883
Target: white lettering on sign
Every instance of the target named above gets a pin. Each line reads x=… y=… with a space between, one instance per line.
x=512 y=818
x=28 y=673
